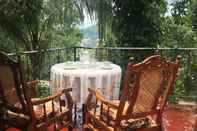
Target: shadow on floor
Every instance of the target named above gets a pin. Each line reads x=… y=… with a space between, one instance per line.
x=174 y=120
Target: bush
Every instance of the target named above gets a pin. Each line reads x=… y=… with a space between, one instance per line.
x=43 y=89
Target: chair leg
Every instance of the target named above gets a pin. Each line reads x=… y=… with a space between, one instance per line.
x=70 y=128
x=25 y=129
x=2 y=127
x=29 y=128
x=84 y=128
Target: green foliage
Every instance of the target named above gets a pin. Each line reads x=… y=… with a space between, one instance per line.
x=6 y=44
x=137 y=23
x=177 y=35
x=140 y=23
x=173 y=97
x=42 y=90
x=180 y=11
x=20 y=19
x=35 y=23
x=39 y=24
x=63 y=17
x=101 y=10
x=193 y=14
x=179 y=32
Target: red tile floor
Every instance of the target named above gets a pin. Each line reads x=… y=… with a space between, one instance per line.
x=179 y=120
x=174 y=120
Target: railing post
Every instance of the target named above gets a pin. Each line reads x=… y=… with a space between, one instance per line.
x=96 y=52
x=49 y=65
x=75 y=53
x=58 y=55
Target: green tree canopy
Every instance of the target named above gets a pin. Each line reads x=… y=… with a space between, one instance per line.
x=39 y=24
x=34 y=24
x=138 y=22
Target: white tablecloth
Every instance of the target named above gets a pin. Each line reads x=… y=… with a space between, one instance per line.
x=102 y=75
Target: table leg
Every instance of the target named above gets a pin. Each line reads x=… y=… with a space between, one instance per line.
x=75 y=111
x=83 y=114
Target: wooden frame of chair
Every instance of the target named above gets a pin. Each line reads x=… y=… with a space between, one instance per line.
x=147 y=86
x=24 y=117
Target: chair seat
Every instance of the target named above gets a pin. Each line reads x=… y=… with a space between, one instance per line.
x=110 y=116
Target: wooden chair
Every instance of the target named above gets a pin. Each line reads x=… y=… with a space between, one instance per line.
x=18 y=109
x=147 y=86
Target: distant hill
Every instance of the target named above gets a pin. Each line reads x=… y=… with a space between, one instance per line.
x=90 y=32
x=90 y=36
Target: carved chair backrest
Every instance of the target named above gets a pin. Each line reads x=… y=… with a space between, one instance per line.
x=147 y=86
x=11 y=83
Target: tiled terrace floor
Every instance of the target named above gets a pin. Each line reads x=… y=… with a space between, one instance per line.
x=179 y=120
x=174 y=120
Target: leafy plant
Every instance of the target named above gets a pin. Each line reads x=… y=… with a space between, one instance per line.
x=42 y=90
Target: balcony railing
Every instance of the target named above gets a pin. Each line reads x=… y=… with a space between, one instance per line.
x=37 y=64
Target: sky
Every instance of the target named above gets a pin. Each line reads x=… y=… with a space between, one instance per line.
x=170 y=1
x=87 y=22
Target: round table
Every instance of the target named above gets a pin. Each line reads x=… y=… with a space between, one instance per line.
x=80 y=76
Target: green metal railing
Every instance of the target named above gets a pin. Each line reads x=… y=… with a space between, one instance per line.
x=37 y=64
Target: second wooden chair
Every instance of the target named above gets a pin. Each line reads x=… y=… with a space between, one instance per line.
x=147 y=86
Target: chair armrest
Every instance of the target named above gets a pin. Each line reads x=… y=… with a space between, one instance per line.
x=14 y=115
x=38 y=101
x=101 y=98
x=32 y=83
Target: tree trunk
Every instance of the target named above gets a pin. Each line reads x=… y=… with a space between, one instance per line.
x=35 y=65
x=35 y=59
